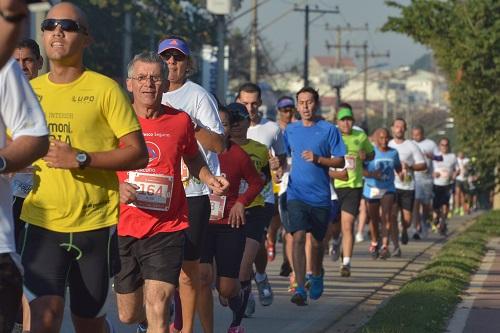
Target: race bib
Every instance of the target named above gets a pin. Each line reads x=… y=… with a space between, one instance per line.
x=155 y=191
x=217 y=206
x=443 y=173
x=350 y=162
x=377 y=193
x=184 y=171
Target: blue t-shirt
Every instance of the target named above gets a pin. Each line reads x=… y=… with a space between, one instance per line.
x=386 y=162
x=309 y=182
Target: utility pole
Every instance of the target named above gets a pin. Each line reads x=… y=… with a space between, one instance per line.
x=253 y=45
x=308 y=10
x=339 y=30
x=221 y=37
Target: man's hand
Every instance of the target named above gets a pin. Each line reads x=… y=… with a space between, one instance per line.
x=274 y=162
x=309 y=156
x=61 y=156
x=237 y=215
x=218 y=184
x=377 y=174
x=128 y=193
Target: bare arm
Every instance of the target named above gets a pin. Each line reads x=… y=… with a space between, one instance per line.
x=209 y=139
x=10 y=31
x=132 y=155
x=339 y=174
x=330 y=162
x=23 y=151
x=419 y=167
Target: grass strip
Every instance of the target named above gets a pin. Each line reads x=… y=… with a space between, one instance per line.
x=425 y=303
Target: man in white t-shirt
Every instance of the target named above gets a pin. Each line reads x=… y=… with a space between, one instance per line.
x=412 y=160
x=444 y=172
x=461 y=196
x=193 y=99
x=22 y=115
x=423 y=180
x=269 y=134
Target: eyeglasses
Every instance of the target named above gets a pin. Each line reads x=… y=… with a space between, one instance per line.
x=143 y=78
x=65 y=24
x=177 y=56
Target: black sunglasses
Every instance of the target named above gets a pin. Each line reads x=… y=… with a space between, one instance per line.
x=65 y=24
x=177 y=56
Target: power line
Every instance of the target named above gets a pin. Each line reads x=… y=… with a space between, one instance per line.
x=249 y=10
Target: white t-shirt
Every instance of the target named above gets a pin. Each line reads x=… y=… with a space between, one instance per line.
x=445 y=168
x=463 y=166
x=20 y=112
x=202 y=108
x=427 y=147
x=410 y=154
x=269 y=134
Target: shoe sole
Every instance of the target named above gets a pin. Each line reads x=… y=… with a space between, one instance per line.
x=345 y=273
x=298 y=301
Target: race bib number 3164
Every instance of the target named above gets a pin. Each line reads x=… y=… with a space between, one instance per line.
x=154 y=191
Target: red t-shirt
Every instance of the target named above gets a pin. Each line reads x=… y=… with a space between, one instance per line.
x=161 y=204
x=235 y=165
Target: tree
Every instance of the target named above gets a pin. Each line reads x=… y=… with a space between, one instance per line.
x=465 y=38
x=152 y=20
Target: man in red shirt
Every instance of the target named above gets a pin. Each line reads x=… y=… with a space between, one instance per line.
x=153 y=210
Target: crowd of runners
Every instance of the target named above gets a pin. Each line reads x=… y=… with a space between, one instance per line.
x=175 y=196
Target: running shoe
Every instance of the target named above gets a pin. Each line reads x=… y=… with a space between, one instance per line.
x=285 y=269
x=236 y=329
x=359 y=237
x=345 y=270
x=316 y=288
x=265 y=292
x=397 y=252
x=443 y=228
x=335 y=251
x=299 y=297
x=461 y=211
x=141 y=328
x=373 y=249
x=271 y=251
x=404 y=237
x=416 y=236
x=250 y=309
x=384 y=253
x=307 y=283
x=18 y=328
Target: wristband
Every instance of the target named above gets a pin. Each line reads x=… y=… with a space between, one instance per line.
x=16 y=18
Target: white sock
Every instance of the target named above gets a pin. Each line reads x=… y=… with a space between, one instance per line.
x=260 y=277
x=347 y=261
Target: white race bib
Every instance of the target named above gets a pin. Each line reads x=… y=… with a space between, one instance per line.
x=217 y=206
x=377 y=193
x=155 y=191
x=350 y=162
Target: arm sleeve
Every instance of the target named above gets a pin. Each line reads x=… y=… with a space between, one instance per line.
x=118 y=112
x=337 y=145
x=20 y=109
x=252 y=177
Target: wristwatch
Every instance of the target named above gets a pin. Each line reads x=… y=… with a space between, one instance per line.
x=83 y=159
x=3 y=164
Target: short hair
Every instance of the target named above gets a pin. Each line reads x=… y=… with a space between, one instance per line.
x=419 y=128
x=249 y=87
x=150 y=58
x=310 y=90
x=30 y=44
x=345 y=105
x=399 y=119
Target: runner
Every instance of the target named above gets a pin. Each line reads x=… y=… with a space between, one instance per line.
x=462 y=197
x=257 y=212
x=190 y=97
x=359 y=149
x=225 y=241
x=379 y=192
x=151 y=251
x=73 y=211
x=269 y=134
x=423 y=182
x=412 y=160
x=12 y=15
x=22 y=115
x=444 y=173
x=310 y=143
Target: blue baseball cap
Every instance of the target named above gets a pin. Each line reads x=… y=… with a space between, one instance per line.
x=173 y=43
x=285 y=102
x=238 y=112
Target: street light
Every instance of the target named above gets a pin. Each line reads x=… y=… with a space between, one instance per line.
x=337 y=78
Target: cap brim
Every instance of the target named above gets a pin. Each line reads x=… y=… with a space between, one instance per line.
x=170 y=48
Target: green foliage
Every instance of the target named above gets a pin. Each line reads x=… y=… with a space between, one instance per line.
x=465 y=38
x=152 y=20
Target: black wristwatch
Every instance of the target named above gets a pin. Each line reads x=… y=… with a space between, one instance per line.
x=13 y=18
x=3 y=164
x=83 y=159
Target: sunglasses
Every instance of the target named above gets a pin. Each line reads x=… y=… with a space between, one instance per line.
x=65 y=24
x=177 y=56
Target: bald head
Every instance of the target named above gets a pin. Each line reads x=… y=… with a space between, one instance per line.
x=67 y=10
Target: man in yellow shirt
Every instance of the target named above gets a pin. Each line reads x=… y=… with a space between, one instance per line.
x=73 y=207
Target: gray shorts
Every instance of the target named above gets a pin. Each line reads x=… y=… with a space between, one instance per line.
x=423 y=190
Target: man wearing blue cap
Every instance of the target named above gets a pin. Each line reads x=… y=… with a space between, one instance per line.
x=193 y=99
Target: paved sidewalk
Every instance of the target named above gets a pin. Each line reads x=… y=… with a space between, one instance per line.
x=480 y=309
x=346 y=304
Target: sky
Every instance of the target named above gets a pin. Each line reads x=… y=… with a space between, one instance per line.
x=286 y=35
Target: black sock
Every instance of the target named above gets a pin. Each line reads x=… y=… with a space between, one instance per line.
x=235 y=304
x=246 y=287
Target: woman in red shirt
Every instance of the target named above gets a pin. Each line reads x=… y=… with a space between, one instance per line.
x=225 y=239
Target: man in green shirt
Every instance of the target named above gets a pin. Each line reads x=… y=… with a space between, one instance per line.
x=359 y=149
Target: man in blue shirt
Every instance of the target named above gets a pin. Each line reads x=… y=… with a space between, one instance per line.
x=315 y=146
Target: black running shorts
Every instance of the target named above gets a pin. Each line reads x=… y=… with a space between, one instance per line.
x=11 y=290
x=199 y=215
